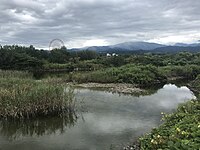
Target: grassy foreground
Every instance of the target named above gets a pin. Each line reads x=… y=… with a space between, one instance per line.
x=23 y=97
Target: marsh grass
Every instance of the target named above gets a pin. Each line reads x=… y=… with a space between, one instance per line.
x=15 y=74
x=26 y=98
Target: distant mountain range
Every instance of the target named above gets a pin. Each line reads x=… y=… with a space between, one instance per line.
x=137 y=46
x=187 y=45
x=134 y=47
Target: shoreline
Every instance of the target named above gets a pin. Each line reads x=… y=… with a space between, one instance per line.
x=121 y=88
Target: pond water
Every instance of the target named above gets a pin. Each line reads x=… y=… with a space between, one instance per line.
x=105 y=120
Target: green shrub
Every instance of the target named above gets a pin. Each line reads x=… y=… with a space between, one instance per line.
x=187 y=71
x=180 y=131
x=142 y=75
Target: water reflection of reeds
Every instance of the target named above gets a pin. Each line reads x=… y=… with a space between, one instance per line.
x=13 y=129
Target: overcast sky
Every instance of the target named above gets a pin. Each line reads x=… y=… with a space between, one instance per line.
x=82 y=23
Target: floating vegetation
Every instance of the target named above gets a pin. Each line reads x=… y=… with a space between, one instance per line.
x=26 y=98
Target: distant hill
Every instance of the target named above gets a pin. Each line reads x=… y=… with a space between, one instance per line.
x=142 y=47
x=187 y=45
x=175 y=49
x=138 y=46
x=128 y=46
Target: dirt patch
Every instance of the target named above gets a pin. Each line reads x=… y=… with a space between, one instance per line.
x=114 y=87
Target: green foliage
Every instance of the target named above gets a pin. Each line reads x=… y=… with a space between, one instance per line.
x=113 y=61
x=59 y=56
x=177 y=59
x=187 y=71
x=85 y=55
x=15 y=74
x=25 y=98
x=180 y=131
x=145 y=69
x=195 y=85
x=142 y=75
x=10 y=59
x=28 y=58
x=95 y=76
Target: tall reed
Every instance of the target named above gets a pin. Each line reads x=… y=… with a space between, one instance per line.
x=15 y=74
x=25 y=98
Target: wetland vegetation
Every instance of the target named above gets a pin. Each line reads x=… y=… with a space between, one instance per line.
x=180 y=129
x=23 y=97
x=34 y=83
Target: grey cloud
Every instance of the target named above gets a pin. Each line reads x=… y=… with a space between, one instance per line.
x=38 y=21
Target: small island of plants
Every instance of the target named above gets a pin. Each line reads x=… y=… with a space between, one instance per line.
x=23 y=97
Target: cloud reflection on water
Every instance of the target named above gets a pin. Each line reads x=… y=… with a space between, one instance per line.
x=109 y=119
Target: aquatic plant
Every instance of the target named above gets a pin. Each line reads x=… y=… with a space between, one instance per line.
x=25 y=98
x=179 y=131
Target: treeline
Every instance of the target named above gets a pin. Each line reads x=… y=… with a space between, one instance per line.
x=23 y=58
x=183 y=64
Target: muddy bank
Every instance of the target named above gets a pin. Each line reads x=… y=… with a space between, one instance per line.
x=114 y=87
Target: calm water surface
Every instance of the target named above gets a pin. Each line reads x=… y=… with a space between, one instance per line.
x=108 y=120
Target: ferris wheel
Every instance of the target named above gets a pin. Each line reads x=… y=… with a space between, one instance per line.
x=56 y=44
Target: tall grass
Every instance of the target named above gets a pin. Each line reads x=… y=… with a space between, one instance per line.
x=15 y=74
x=25 y=98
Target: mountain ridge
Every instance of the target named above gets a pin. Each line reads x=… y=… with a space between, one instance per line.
x=142 y=46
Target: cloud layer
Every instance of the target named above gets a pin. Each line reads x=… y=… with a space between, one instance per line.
x=98 y=22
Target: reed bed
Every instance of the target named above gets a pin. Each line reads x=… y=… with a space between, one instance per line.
x=26 y=98
x=15 y=74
